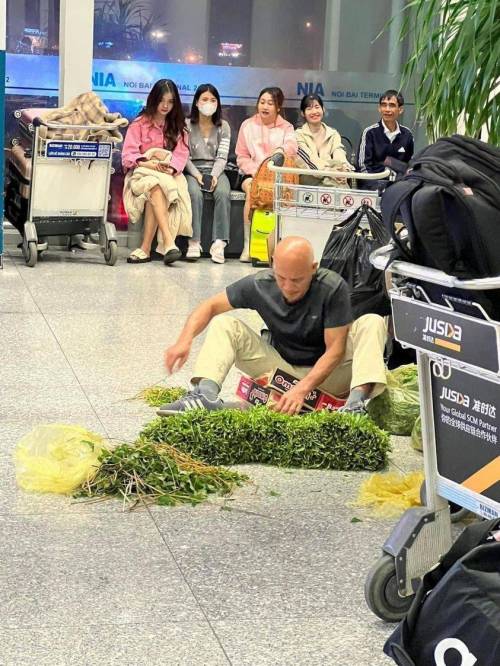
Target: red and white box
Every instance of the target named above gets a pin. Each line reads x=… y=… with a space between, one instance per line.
x=253 y=391
x=269 y=388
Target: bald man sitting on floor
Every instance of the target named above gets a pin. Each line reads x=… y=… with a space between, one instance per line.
x=307 y=311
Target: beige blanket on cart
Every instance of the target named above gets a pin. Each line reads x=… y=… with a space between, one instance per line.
x=86 y=109
x=141 y=180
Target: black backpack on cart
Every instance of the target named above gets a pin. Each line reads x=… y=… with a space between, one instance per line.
x=449 y=202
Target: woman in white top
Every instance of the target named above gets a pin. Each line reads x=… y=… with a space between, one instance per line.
x=319 y=146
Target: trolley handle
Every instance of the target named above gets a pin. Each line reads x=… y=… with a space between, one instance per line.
x=332 y=173
x=380 y=258
x=37 y=122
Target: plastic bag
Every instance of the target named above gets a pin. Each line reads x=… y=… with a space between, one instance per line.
x=391 y=493
x=397 y=408
x=347 y=252
x=57 y=458
x=416 y=435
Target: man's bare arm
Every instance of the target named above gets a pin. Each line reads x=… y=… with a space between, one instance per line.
x=335 y=341
x=196 y=323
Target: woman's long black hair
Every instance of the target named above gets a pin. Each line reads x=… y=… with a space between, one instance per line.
x=175 y=123
x=195 y=113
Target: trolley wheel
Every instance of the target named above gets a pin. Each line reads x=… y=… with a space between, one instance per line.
x=30 y=252
x=381 y=591
x=111 y=253
x=457 y=512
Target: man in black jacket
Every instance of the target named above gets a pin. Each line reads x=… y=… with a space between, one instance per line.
x=387 y=138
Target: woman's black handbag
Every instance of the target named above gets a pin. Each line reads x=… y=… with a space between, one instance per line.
x=347 y=252
x=454 y=619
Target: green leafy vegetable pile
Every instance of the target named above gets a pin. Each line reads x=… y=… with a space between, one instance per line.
x=396 y=409
x=159 y=395
x=329 y=440
x=147 y=472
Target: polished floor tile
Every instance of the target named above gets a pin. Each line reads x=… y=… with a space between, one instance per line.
x=159 y=643
x=89 y=568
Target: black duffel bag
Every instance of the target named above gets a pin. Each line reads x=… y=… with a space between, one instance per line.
x=347 y=252
x=449 y=202
x=454 y=619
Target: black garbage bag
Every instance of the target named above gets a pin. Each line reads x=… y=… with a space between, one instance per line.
x=347 y=252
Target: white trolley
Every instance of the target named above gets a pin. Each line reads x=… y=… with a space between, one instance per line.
x=458 y=358
x=312 y=211
x=69 y=191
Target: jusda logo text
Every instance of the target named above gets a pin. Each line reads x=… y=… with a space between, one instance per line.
x=444 y=328
x=461 y=399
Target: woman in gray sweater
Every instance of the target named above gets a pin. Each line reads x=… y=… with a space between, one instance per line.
x=209 y=138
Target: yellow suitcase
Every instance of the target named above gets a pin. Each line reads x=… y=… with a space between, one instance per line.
x=263 y=223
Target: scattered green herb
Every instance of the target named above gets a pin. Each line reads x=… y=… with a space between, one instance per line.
x=148 y=472
x=274 y=493
x=356 y=520
x=159 y=395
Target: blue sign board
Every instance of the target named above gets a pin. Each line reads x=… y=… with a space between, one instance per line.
x=86 y=150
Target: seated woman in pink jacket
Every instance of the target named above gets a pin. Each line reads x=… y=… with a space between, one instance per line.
x=260 y=136
x=160 y=124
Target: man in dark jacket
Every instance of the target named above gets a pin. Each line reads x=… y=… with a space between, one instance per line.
x=387 y=138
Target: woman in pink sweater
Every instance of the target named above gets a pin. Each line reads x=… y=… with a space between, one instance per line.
x=160 y=124
x=260 y=136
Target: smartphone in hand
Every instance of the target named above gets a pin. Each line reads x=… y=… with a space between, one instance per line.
x=206 y=182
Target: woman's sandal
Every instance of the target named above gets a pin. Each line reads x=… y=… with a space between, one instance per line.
x=138 y=257
x=172 y=255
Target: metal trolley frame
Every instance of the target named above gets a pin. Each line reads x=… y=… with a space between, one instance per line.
x=69 y=192
x=313 y=210
x=458 y=358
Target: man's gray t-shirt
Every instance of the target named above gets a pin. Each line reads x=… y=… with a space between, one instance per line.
x=297 y=329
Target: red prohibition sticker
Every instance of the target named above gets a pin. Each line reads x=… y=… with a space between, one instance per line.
x=348 y=200
x=326 y=199
x=367 y=201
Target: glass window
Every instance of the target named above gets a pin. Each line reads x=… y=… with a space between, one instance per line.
x=33 y=27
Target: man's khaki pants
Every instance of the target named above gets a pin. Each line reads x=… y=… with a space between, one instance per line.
x=230 y=342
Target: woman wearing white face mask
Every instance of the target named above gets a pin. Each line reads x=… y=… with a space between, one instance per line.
x=209 y=138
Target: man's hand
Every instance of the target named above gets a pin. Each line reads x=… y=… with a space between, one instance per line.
x=176 y=356
x=292 y=401
x=214 y=183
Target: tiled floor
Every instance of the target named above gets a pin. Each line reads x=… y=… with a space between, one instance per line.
x=277 y=580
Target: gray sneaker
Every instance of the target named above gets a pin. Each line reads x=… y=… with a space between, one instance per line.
x=358 y=407
x=192 y=400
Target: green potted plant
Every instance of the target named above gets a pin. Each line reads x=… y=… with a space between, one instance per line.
x=454 y=65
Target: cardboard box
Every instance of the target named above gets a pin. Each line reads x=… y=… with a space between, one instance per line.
x=282 y=382
x=266 y=389
x=252 y=391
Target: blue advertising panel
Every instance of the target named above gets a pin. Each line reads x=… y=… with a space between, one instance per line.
x=89 y=150
x=237 y=85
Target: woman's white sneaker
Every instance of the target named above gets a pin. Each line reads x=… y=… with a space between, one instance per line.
x=217 y=251
x=194 y=250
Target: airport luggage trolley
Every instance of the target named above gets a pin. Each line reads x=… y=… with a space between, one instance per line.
x=312 y=211
x=69 y=191
x=458 y=359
